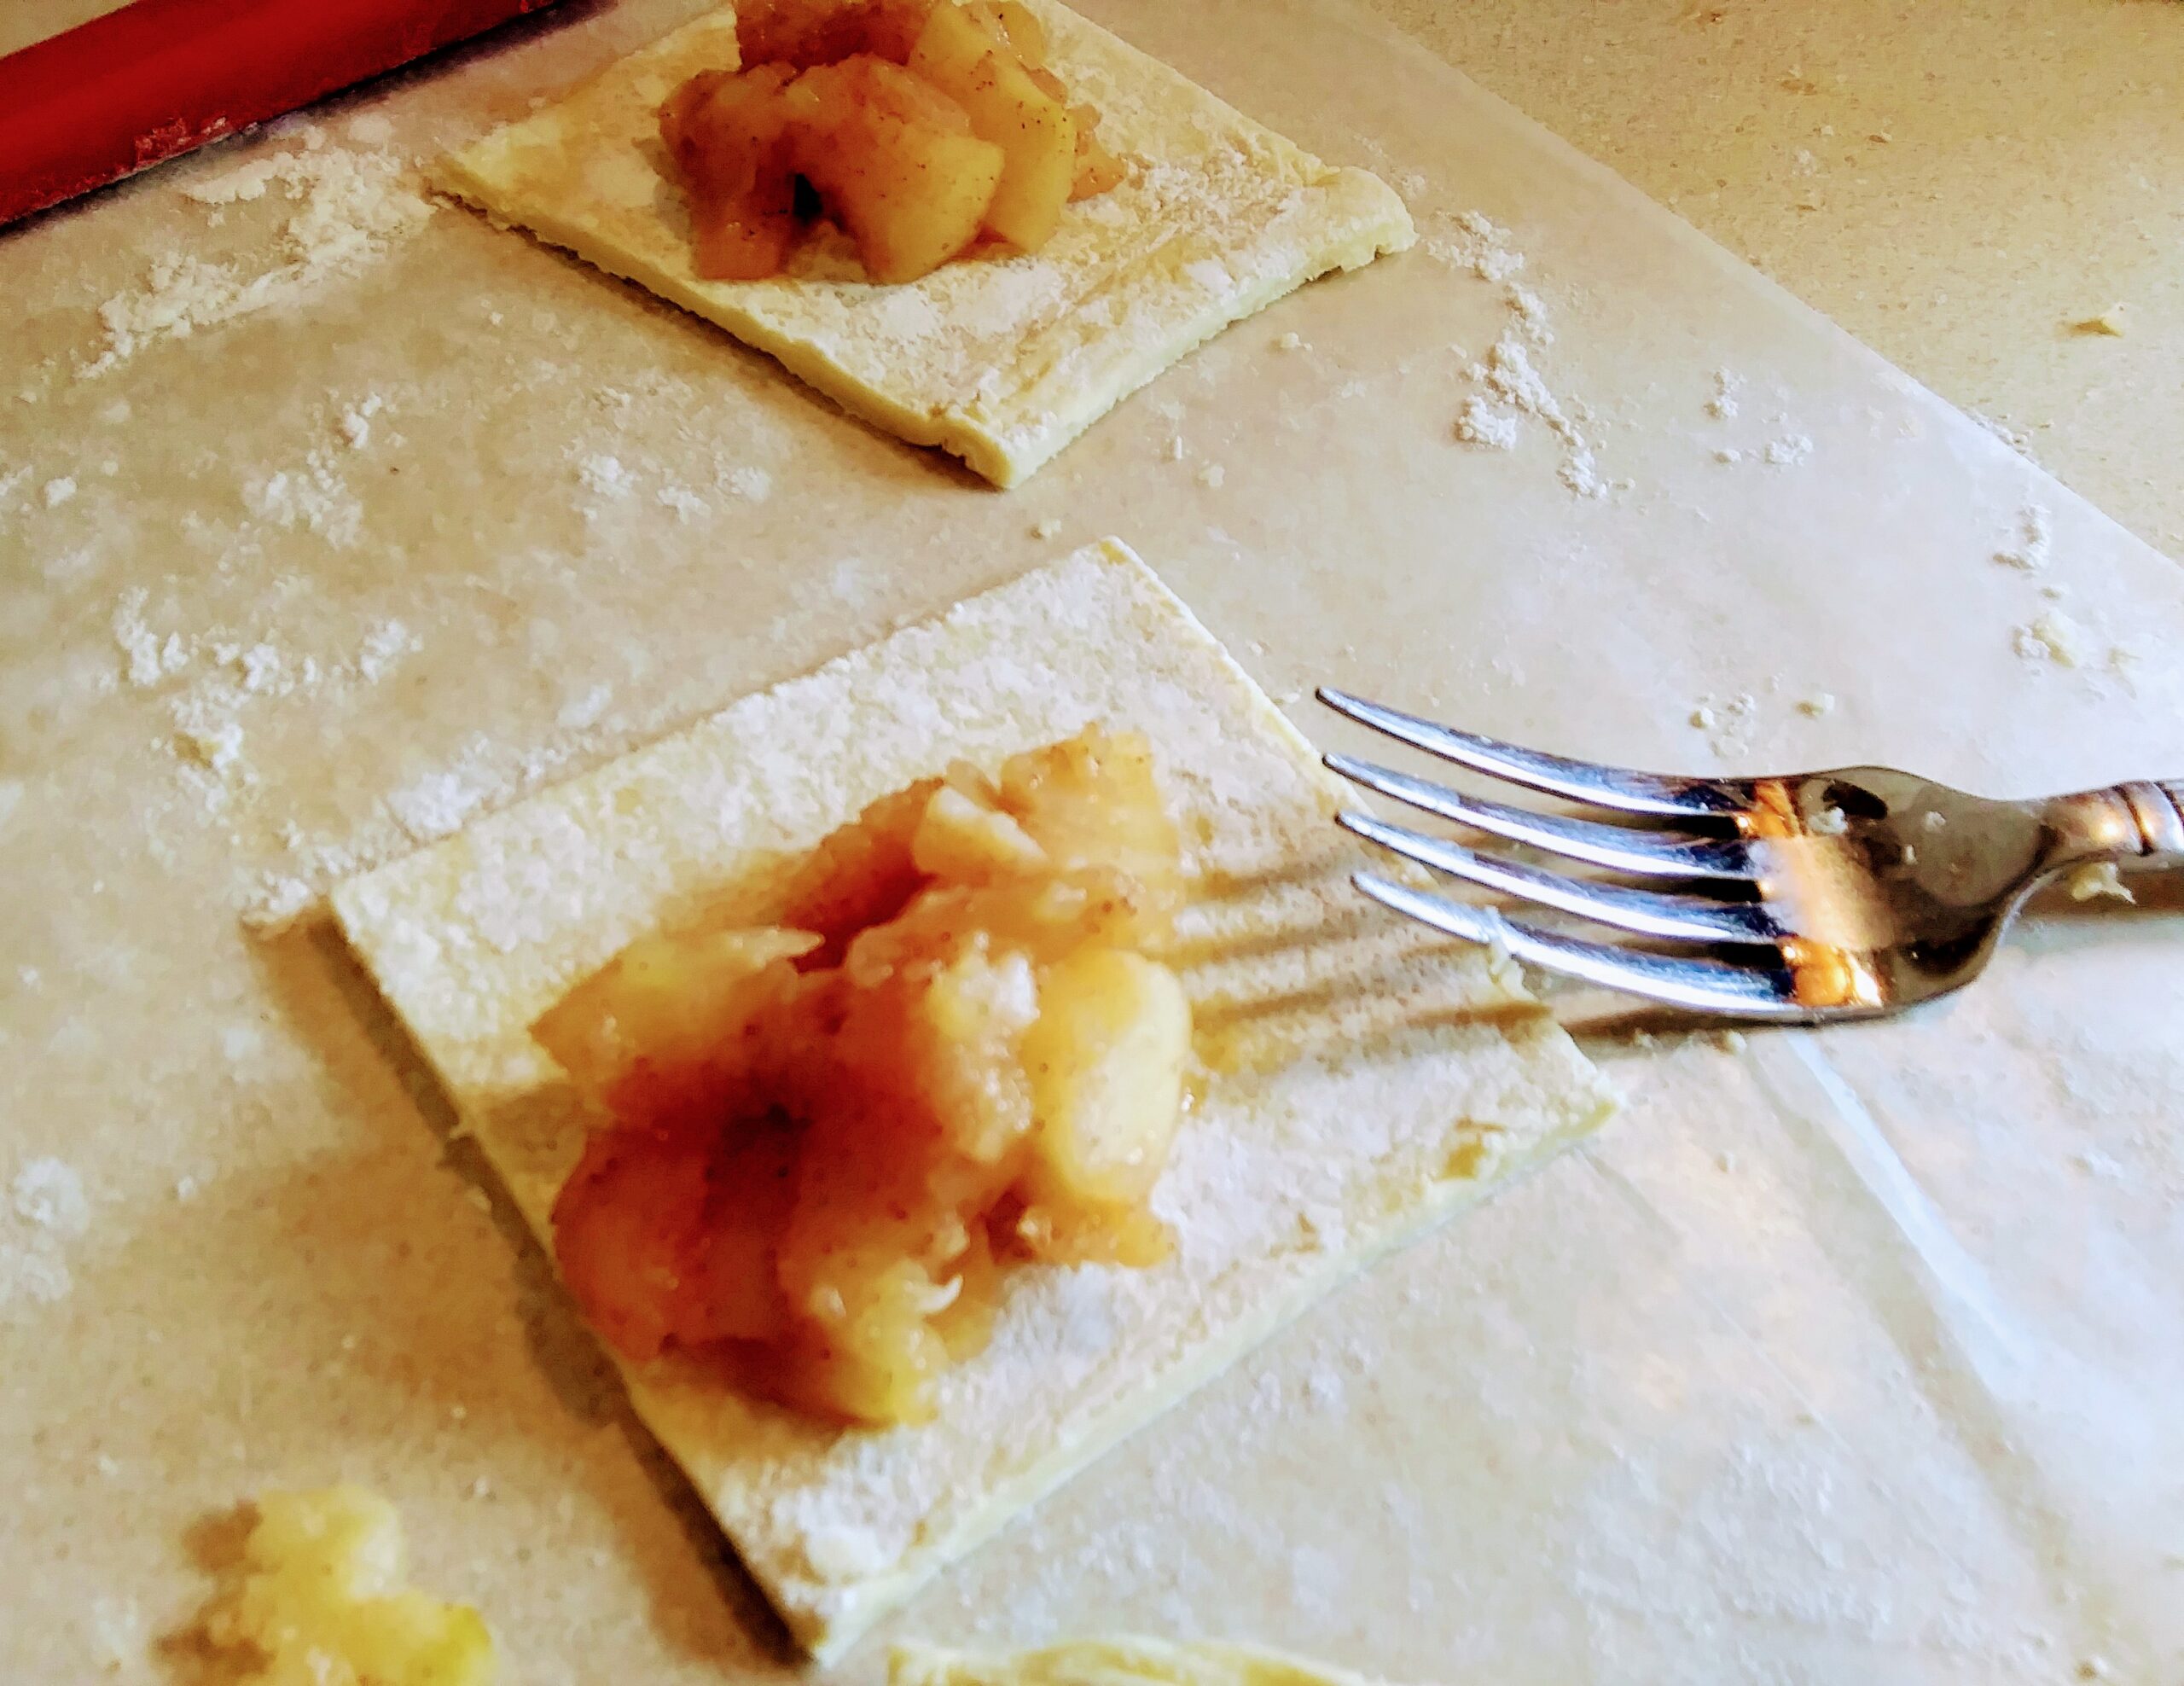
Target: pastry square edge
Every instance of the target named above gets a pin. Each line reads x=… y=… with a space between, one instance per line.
x=1001 y=361
x=1366 y=1078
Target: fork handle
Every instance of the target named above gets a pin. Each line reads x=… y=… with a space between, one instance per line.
x=2157 y=806
x=2140 y=823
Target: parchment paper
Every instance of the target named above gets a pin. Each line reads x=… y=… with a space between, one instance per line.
x=1842 y=1357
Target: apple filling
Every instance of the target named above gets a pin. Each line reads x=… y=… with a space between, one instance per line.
x=953 y=1051
x=918 y=125
x=319 y=1596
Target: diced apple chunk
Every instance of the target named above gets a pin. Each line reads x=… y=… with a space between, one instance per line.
x=897 y=162
x=1107 y=1060
x=973 y=63
x=319 y=1597
x=1094 y=801
x=729 y=1290
x=1026 y=35
x=891 y=27
x=1097 y=169
x=797 y=33
x=729 y=137
x=626 y=1227
x=643 y=1036
x=801 y=34
x=861 y=874
x=962 y=839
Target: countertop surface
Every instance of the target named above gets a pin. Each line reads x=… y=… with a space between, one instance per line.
x=332 y=520
x=1956 y=184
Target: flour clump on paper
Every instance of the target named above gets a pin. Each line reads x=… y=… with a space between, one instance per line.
x=1481 y=424
x=1476 y=243
x=2034 y=544
x=605 y=476
x=753 y=485
x=2054 y=638
x=1514 y=388
x=48 y=1206
x=384 y=644
x=1528 y=313
x=148 y=657
x=1728 y=722
x=48 y=1191
x=352 y=207
x=314 y=498
x=356 y=420
x=686 y=503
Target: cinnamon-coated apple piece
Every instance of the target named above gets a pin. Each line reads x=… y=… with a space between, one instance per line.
x=1106 y=1061
x=728 y=135
x=806 y=32
x=1094 y=801
x=965 y=52
x=648 y=1036
x=890 y=28
x=729 y=1289
x=1097 y=169
x=628 y=1228
x=1020 y=27
x=895 y=162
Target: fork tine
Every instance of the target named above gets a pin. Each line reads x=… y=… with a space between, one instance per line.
x=1746 y=991
x=1653 y=854
x=1680 y=919
x=1632 y=793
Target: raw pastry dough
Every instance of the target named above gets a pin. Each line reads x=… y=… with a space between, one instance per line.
x=1124 y=1660
x=1367 y=1079
x=1000 y=360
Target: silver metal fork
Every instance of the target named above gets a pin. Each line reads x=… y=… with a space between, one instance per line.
x=1808 y=898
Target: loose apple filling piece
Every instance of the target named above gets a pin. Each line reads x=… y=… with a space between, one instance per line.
x=319 y=1598
x=954 y=1051
x=919 y=125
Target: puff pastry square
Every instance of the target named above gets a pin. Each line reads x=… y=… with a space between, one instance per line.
x=1001 y=359
x=1365 y=1078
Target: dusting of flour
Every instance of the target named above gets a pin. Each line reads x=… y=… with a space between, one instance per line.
x=350 y=206
x=47 y=1208
x=1512 y=390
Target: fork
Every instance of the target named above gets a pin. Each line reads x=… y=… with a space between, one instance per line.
x=1807 y=898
